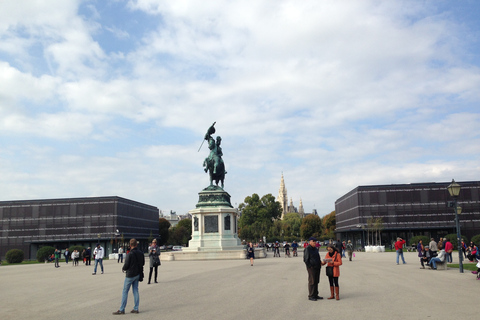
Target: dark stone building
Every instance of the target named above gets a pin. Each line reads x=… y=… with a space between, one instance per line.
x=30 y=224
x=407 y=210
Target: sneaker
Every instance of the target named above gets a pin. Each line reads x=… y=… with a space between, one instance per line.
x=93 y=274
x=474 y=272
x=312 y=299
x=118 y=312
x=134 y=311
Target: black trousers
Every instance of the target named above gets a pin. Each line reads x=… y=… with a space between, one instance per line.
x=313 y=280
x=150 y=274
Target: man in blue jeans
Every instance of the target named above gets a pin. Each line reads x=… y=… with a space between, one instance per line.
x=133 y=267
x=439 y=258
x=99 y=253
x=399 y=248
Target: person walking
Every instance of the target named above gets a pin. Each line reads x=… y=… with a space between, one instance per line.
x=350 y=250
x=311 y=258
x=133 y=267
x=99 y=254
x=295 y=248
x=399 y=248
x=120 y=255
x=333 y=260
x=88 y=256
x=154 y=255
x=250 y=253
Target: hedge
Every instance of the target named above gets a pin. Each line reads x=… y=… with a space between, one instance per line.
x=44 y=252
x=14 y=256
x=476 y=239
x=414 y=240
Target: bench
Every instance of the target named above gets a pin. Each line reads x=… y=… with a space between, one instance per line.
x=442 y=265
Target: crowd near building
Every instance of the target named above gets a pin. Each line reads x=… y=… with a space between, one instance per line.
x=31 y=224
x=407 y=210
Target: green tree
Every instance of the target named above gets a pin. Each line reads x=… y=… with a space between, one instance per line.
x=44 y=252
x=292 y=223
x=329 y=224
x=181 y=233
x=311 y=226
x=257 y=216
x=163 y=226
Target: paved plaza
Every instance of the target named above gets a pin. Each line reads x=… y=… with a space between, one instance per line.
x=371 y=287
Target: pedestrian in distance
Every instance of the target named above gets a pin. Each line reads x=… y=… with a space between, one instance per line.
x=295 y=248
x=154 y=255
x=250 y=253
x=349 y=249
x=420 y=250
x=133 y=267
x=311 y=258
x=333 y=260
x=287 y=250
x=276 y=249
x=57 y=254
x=448 y=249
x=99 y=253
x=120 y=255
x=433 y=247
x=67 y=255
x=399 y=249
x=88 y=256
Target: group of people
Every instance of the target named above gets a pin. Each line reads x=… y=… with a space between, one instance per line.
x=74 y=256
x=313 y=262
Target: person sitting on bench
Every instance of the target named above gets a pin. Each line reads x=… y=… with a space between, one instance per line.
x=439 y=258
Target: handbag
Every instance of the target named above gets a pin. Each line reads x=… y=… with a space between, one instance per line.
x=329 y=271
x=156 y=262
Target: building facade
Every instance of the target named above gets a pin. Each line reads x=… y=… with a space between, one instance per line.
x=406 y=210
x=31 y=224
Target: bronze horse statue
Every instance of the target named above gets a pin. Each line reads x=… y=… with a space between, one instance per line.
x=214 y=164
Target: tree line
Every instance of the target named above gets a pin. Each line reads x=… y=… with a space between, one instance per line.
x=259 y=217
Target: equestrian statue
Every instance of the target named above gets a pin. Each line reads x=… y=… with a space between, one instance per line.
x=213 y=164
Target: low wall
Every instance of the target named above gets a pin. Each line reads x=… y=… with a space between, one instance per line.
x=374 y=248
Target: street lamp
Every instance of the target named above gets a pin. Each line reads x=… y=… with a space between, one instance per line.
x=454 y=190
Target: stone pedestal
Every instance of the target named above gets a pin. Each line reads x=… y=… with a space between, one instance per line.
x=214 y=222
x=214 y=229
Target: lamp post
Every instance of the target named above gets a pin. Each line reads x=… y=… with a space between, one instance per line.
x=454 y=190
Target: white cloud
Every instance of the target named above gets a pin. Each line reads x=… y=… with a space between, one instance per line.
x=334 y=94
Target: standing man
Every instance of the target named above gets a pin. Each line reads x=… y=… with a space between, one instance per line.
x=350 y=250
x=339 y=246
x=433 y=247
x=120 y=254
x=399 y=248
x=88 y=256
x=133 y=267
x=448 y=249
x=67 y=255
x=99 y=254
x=57 y=255
x=311 y=257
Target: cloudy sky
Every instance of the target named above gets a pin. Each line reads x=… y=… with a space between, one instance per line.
x=101 y=98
